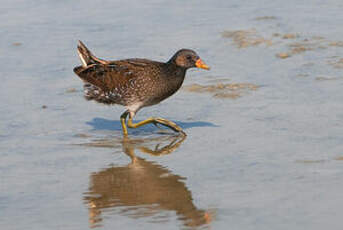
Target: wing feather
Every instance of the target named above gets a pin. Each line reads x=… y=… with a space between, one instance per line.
x=108 y=76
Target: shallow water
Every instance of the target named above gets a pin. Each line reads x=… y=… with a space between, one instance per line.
x=270 y=158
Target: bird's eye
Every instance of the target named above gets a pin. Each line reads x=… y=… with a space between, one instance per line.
x=189 y=57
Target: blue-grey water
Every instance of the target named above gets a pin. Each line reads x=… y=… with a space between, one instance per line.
x=270 y=158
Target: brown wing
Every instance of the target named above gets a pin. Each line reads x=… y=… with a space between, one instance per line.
x=117 y=82
x=108 y=76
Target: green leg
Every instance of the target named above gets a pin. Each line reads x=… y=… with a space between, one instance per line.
x=123 y=121
x=155 y=121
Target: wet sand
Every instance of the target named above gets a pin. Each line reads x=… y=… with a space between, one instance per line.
x=264 y=126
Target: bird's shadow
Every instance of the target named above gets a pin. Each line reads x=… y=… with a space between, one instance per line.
x=104 y=124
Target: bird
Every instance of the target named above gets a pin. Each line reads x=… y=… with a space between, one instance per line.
x=135 y=83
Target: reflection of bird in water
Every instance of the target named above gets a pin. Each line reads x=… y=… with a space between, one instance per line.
x=143 y=189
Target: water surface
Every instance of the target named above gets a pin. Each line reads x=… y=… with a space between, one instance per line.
x=266 y=157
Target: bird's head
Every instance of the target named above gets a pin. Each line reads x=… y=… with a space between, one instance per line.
x=187 y=58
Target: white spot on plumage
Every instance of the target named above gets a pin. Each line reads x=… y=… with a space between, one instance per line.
x=134 y=107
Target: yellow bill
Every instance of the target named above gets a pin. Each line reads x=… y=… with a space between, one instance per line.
x=200 y=64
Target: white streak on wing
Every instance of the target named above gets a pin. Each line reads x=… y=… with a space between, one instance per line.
x=84 y=64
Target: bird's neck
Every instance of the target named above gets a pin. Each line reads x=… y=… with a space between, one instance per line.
x=176 y=77
x=177 y=71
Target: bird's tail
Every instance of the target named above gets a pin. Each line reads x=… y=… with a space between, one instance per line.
x=86 y=57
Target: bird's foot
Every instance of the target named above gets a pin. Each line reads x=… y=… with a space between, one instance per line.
x=169 y=124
